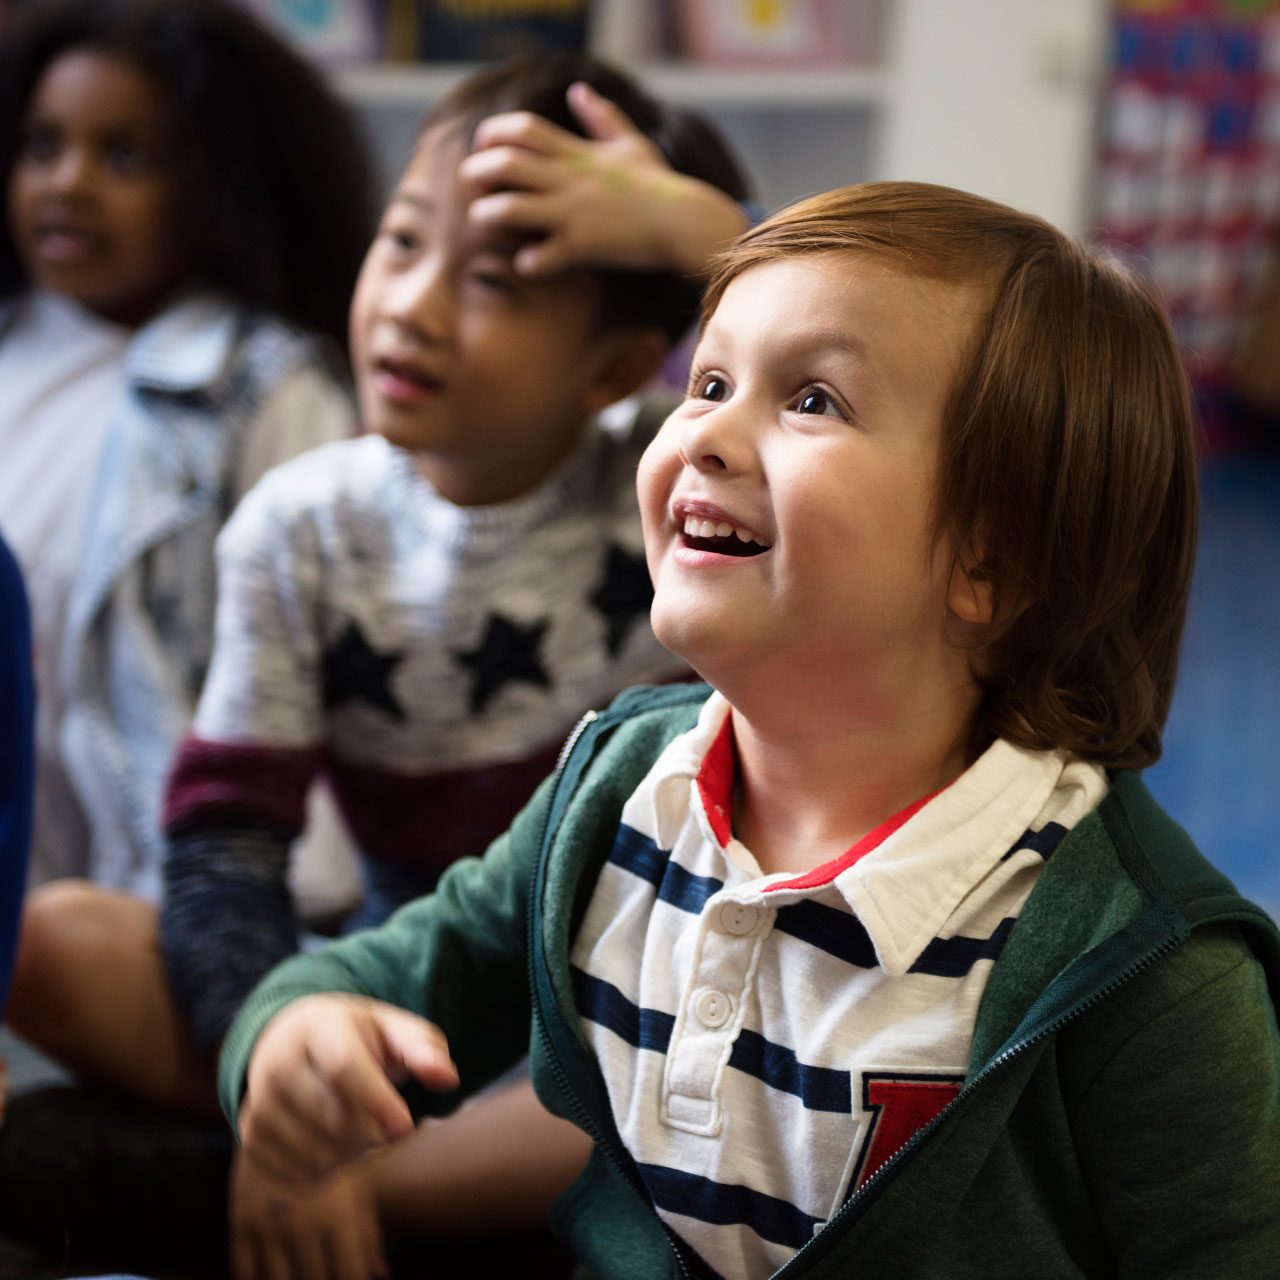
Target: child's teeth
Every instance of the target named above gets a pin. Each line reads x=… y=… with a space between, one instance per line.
x=697 y=527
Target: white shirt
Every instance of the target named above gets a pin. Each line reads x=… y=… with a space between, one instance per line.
x=768 y=1041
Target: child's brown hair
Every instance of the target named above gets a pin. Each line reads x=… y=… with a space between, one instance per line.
x=1067 y=471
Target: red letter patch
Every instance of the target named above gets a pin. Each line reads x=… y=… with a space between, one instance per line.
x=899 y=1104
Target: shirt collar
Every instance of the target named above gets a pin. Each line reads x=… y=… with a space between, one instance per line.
x=186 y=346
x=927 y=858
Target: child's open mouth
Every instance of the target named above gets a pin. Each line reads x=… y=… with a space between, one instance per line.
x=721 y=538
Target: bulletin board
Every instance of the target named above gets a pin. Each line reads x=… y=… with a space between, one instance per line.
x=1190 y=175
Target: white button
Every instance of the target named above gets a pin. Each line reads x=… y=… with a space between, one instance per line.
x=738 y=918
x=713 y=1008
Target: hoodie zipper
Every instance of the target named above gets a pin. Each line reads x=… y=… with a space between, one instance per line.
x=858 y=1203
x=576 y=1106
x=860 y=1200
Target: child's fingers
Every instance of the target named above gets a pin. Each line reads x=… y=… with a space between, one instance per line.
x=350 y=1257
x=602 y=119
x=307 y=1252
x=418 y=1047
x=514 y=211
x=523 y=129
x=506 y=166
x=544 y=258
x=370 y=1102
x=284 y=1147
x=344 y=1129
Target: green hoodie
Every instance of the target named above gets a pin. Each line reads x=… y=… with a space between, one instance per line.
x=1121 y=1115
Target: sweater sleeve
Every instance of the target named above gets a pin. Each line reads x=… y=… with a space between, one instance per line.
x=457 y=957
x=17 y=709
x=1179 y=1132
x=237 y=794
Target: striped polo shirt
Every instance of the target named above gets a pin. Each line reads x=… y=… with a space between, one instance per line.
x=768 y=1041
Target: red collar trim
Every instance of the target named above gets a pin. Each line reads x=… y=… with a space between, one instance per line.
x=828 y=871
x=715 y=788
x=715 y=781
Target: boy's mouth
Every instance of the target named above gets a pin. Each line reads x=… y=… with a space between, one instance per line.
x=721 y=537
x=400 y=380
x=406 y=373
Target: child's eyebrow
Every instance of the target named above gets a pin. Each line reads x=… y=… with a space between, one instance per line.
x=802 y=341
x=815 y=341
x=423 y=203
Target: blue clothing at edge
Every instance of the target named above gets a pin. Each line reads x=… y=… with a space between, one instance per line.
x=17 y=766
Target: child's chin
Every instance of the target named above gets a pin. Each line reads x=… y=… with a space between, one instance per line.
x=682 y=630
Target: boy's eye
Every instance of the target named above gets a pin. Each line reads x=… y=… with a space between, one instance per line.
x=818 y=403
x=496 y=280
x=711 y=387
x=400 y=239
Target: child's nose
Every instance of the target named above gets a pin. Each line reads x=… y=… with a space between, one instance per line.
x=717 y=439
x=422 y=299
x=70 y=170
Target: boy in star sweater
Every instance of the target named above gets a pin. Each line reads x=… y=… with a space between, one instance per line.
x=875 y=958
x=419 y=615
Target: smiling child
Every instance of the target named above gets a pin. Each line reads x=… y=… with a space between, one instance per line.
x=876 y=958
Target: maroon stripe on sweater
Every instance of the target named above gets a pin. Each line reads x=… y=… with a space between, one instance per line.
x=239 y=784
x=428 y=820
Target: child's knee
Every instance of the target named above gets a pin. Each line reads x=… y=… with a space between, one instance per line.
x=63 y=924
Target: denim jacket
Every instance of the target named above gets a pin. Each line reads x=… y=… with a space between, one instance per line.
x=140 y=621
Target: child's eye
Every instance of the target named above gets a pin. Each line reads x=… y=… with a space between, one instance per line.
x=709 y=386
x=400 y=239
x=126 y=158
x=816 y=402
x=497 y=281
x=40 y=142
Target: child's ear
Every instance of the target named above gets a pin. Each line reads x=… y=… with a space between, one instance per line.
x=625 y=361
x=971 y=593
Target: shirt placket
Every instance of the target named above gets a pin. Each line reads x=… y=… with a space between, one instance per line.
x=732 y=928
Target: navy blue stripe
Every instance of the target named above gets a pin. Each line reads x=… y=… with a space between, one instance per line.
x=602 y=1003
x=819 y=1088
x=836 y=932
x=1044 y=841
x=727 y=1204
x=637 y=853
x=954 y=957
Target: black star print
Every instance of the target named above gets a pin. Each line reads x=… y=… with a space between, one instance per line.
x=355 y=671
x=507 y=652
x=625 y=594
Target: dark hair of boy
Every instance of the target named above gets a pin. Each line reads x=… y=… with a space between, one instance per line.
x=538 y=83
x=1067 y=474
x=274 y=171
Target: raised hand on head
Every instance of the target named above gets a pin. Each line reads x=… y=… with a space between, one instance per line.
x=607 y=200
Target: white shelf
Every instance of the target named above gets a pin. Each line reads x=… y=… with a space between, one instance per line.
x=691 y=85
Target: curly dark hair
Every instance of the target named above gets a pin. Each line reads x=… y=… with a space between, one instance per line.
x=690 y=145
x=272 y=169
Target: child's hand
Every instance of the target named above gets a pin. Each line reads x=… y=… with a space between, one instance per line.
x=321 y=1083
x=607 y=200
x=286 y=1233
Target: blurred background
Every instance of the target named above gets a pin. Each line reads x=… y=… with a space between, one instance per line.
x=1151 y=126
